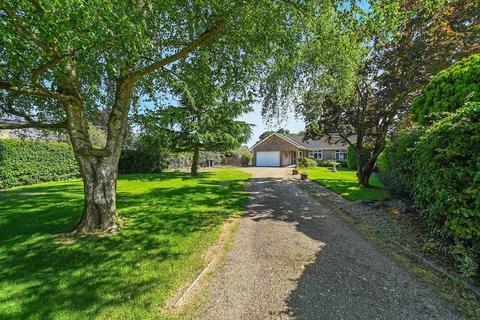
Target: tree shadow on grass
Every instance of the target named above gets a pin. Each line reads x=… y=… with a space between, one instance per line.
x=46 y=275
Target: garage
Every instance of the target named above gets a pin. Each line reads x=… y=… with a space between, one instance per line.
x=268 y=159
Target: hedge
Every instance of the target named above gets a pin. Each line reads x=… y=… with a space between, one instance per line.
x=396 y=163
x=24 y=162
x=143 y=161
x=449 y=90
x=447 y=175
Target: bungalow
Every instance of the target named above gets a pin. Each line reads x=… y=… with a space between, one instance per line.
x=279 y=150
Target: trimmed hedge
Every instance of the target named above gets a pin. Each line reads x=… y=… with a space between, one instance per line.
x=447 y=175
x=24 y=162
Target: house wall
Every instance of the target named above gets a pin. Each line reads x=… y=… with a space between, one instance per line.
x=328 y=154
x=274 y=143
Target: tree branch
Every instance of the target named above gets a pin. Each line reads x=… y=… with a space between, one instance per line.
x=24 y=31
x=37 y=6
x=44 y=67
x=203 y=38
x=41 y=92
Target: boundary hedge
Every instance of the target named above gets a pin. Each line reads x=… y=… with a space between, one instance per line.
x=24 y=162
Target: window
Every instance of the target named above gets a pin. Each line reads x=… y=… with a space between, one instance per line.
x=341 y=155
x=316 y=154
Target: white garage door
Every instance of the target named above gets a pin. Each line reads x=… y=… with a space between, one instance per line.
x=268 y=159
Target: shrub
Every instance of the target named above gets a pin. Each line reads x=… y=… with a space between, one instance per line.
x=352 y=157
x=325 y=163
x=152 y=155
x=449 y=90
x=447 y=175
x=307 y=162
x=396 y=163
x=25 y=162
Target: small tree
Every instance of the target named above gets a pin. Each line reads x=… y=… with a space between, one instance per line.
x=201 y=123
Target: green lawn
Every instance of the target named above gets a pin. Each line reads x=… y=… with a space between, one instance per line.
x=345 y=183
x=170 y=220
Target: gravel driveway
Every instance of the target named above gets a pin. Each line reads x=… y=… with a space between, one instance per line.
x=292 y=258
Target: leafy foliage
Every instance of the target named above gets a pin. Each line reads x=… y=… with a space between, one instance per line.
x=352 y=156
x=307 y=162
x=447 y=174
x=397 y=164
x=26 y=162
x=147 y=155
x=449 y=90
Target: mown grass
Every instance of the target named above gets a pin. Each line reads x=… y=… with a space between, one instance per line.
x=345 y=183
x=170 y=220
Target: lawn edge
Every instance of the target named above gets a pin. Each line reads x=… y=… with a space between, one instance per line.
x=194 y=293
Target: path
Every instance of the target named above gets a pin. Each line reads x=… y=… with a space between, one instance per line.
x=293 y=258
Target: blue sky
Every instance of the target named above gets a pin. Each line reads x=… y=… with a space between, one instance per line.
x=255 y=118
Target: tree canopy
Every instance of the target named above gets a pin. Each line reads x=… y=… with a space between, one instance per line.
x=68 y=64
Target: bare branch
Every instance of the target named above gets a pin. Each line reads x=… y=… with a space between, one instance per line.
x=41 y=92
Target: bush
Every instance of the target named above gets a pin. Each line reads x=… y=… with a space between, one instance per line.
x=449 y=90
x=352 y=157
x=307 y=162
x=447 y=175
x=152 y=155
x=396 y=163
x=325 y=163
x=25 y=162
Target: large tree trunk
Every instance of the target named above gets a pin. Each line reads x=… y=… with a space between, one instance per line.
x=99 y=167
x=196 y=156
x=99 y=184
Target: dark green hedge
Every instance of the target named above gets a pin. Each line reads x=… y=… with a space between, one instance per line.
x=447 y=174
x=26 y=162
x=449 y=90
x=396 y=163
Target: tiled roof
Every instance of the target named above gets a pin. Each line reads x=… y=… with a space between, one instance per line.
x=318 y=144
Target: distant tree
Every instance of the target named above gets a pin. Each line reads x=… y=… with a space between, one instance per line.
x=205 y=122
x=267 y=133
x=449 y=90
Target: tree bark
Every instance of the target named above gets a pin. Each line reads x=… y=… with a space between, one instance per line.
x=99 y=176
x=196 y=156
x=99 y=167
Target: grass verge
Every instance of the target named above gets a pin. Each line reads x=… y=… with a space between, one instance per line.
x=345 y=183
x=171 y=220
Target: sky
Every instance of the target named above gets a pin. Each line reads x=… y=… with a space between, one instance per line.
x=255 y=118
